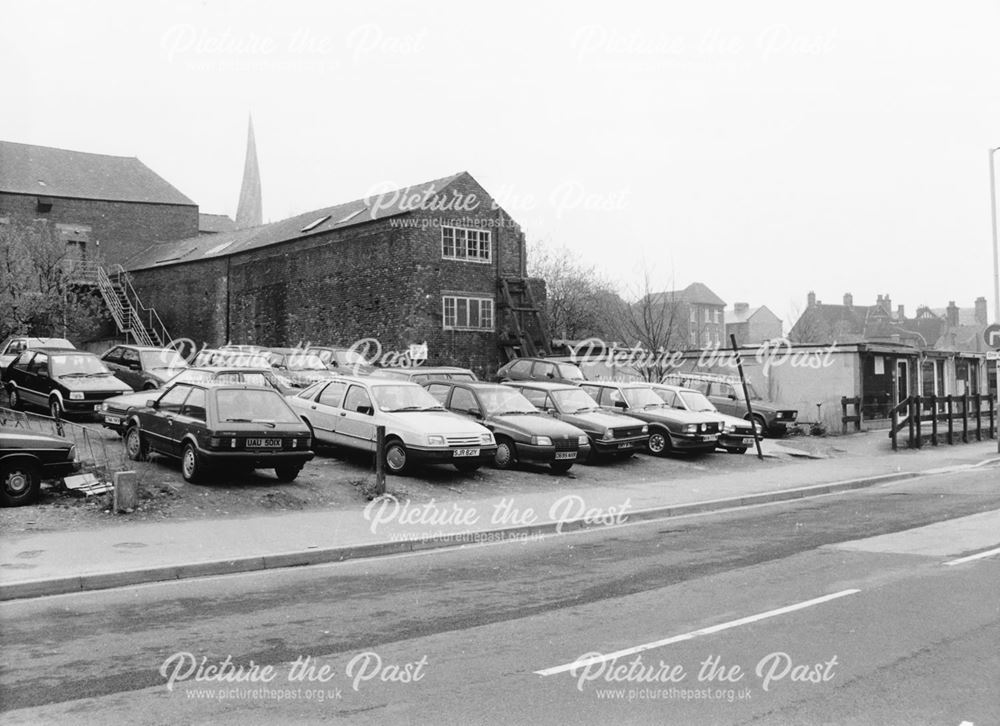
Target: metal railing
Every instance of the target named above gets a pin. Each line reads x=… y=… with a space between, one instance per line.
x=153 y=327
x=92 y=448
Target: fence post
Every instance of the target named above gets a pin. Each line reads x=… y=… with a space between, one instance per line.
x=379 y=460
x=895 y=426
x=977 y=400
x=843 y=415
x=919 y=422
x=951 y=421
x=934 y=420
x=126 y=496
x=992 y=420
x=965 y=418
x=909 y=421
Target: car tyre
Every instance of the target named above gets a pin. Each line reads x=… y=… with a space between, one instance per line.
x=561 y=467
x=55 y=408
x=658 y=443
x=396 y=457
x=505 y=455
x=14 y=399
x=760 y=425
x=740 y=450
x=287 y=472
x=467 y=467
x=191 y=465
x=136 y=447
x=19 y=483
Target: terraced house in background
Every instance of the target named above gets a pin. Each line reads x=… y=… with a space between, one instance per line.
x=439 y=262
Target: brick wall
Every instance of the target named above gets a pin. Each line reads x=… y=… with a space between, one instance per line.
x=122 y=228
x=191 y=299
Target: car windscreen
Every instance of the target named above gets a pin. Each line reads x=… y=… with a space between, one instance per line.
x=574 y=400
x=570 y=373
x=404 y=397
x=84 y=365
x=503 y=400
x=161 y=359
x=304 y=362
x=253 y=406
x=642 y=398
x=695 y=401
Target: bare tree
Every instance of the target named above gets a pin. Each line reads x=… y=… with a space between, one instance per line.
x=38 y=292
x=653 y=324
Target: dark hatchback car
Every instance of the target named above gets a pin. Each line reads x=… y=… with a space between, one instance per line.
x=726 y=393
x=523 y=433
x=233 y=426
x=670 y=429
x=28 y=457
x=114 y=411
x=424 y=374
x=611 y=434
x=63 y=381
x=144 y=367
x=540 y=369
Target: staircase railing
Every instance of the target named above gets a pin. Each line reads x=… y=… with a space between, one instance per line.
x=147 y=316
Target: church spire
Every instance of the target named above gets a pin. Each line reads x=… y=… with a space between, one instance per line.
x=249 y=212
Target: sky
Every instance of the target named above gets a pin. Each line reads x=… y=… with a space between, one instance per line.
x=766 y=149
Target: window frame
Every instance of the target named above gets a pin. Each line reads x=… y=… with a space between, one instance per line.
x=482 y=237
x=454 y=316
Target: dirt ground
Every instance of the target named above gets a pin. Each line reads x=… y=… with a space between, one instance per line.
x=339 y=479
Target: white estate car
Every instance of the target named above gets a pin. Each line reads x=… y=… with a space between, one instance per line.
x=345 y=411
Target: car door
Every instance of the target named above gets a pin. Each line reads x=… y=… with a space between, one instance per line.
x=324 y=411
x=723 y=395
x=130 y=368
x=17 y=374
x=192 y=417
x=464 y=402
x=356 y=427
x=161 y=427
x=113 y=360
x=37 y=384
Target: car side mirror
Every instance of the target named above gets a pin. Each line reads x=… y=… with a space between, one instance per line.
x=732 y=396
x=134 y=367
x=150 y=403
x=366 y=410
x=621 y=404
x=550 y=374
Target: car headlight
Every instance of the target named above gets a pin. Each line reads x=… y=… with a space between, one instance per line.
x=583 y=440
x=76 y=395
x=487 y=439
x=729 y=428
x=703 y=427
x=125 y=393
x=608 y=435
x=541 y=441
x=436 y=441
x=104 y=406
x=690 y=428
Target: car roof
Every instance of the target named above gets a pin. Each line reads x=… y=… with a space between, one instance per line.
x=541 y=385
x=671 y=387
x=142 y=347
x=47 y=349
x=618 y=384
x=230 y=387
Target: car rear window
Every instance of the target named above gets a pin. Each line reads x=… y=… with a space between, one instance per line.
x=253 y=405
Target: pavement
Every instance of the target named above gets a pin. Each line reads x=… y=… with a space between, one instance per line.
x=51 y=563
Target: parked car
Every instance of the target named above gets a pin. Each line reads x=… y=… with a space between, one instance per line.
x=342 y=360
x=540 y=369
x=28 y=457
x=114 y=411
x=15 y=344
x=300 y=368
x=144 y=367
x=737 y=433
x=726 y=392
x=670 y=429
x=221 y=358
x=523 y=433
x=231 y=426
x=63 y=381
x=611 y=433
x=423 y=374
x=418 y=430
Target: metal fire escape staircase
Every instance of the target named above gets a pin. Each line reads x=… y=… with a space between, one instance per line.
x=137 y=322
x=527 y=333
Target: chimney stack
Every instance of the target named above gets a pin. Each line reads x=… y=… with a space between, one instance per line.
x=900 y=314
x=848 y=300
x=740 y=308
x=887 y=301
x=811 y=298
x=952 y=314
x=981 y=315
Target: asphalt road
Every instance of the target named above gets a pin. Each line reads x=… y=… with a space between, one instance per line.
x=488 y=634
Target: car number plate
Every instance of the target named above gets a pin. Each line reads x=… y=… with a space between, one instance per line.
x=466 y=452
x=112 y=419
x=565 y=455
x=627 y=445
x=263 y=443
x=748 y=441
x=97 y=407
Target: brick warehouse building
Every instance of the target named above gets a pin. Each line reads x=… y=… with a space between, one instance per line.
x=110 y=207
x=404 y=267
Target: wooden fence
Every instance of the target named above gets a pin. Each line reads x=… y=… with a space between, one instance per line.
x=935 y=418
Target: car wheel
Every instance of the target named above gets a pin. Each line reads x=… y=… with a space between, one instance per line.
x=149 y=387
x=19 y=483
x=287 y=472
x=760 y=426
x=658 y=443
x=191 y=465
x=55 y=408
x=506 y=454
x=740 y=450
x=396 y=458
x=136 y=447
x=14 y=399
x=561 y=467
x=467 y=467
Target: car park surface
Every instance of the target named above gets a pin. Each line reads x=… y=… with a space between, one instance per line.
x=670 y=429
x=726 y=392
x=62 y=381
x=143 y=367
x=540 y=369
x=611 y=434
x=28 y=457
x=523 y=433
x=737 y=433
x=235 y=426
x=418 y=430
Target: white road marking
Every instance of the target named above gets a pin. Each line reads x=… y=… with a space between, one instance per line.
x=977 y=556
x=695 y=633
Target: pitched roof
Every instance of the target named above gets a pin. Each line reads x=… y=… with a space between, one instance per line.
x=44 y=171
x=696 y=293
x=211 y=223
x=224 y=244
